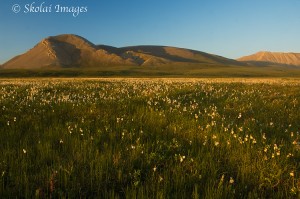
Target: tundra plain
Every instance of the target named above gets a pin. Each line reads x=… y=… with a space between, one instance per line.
x=149 y=138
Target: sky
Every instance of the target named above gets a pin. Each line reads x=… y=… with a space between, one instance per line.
x=229 y=28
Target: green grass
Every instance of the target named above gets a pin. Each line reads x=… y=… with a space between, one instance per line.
x=188 y=70
x=149 y=138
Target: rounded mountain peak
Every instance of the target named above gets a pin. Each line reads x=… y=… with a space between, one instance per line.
x=73 y=39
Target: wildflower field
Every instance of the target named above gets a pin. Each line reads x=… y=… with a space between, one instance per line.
x=149 y=138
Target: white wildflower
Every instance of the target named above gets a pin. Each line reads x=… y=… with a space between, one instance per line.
x=182 y=158
x=231 y=181
x=154 y=169
x=240 y=116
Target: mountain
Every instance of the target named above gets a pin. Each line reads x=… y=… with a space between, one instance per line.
x=72 y=51
x=63 y=51
x=273 y=58
x=169 y=55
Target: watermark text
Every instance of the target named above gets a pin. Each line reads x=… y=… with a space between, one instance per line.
x=49 y=8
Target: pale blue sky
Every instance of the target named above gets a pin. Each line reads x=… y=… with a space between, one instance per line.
x=230 y=28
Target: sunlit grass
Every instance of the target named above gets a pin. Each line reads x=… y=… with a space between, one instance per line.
x=149 y=138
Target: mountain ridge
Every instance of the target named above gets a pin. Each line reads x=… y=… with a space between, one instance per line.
x=282 y=58
x=74 y=51
x=69 y=50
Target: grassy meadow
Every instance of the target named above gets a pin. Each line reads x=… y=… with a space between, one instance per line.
x=149 y=138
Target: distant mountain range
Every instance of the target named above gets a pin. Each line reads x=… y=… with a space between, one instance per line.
x=273 y=57
x=72 y=51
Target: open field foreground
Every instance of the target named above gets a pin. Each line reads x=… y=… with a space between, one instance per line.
x=149 y=138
